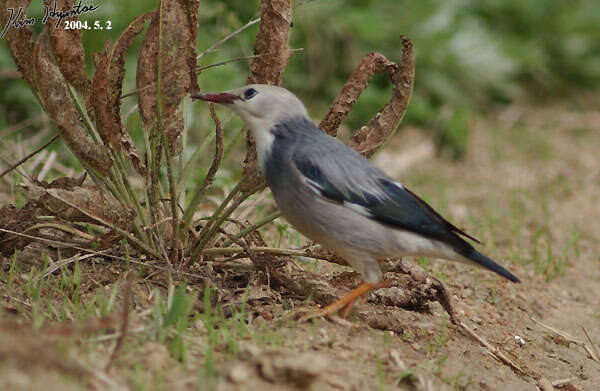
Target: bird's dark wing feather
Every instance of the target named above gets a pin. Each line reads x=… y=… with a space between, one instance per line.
x=381 y=198
x=423 y=214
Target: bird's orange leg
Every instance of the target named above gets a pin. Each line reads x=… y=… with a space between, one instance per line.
x=346 y=310
x=345 y=303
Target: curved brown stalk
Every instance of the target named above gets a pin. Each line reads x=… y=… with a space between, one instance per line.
x=212 y=171
x=57 y=102
x=368 y=139
x=273 y=52
x=68 y=52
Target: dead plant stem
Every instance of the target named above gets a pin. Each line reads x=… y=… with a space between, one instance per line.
x=29 y=156
x=217 y=212
x=61 y=227
x=263 y=249
x=114 y=227
x=227 y=38
x=252 y=228
x=173 y=195
x=211 y=173
x=119 y=160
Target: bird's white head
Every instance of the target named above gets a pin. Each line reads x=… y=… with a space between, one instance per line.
x=261 y=107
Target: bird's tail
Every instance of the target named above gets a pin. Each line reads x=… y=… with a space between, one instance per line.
x=477 y=258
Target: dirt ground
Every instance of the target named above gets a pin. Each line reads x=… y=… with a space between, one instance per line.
x=529 y=188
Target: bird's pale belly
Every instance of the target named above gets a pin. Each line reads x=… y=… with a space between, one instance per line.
x=339 y=228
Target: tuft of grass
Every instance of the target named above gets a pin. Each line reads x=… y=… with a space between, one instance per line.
x=171 y=318
x=12 y=271
x=406 y=375
x=433 y=347
x=457 y=382
x=545 y=257
x=439 y=364
x=380 y=371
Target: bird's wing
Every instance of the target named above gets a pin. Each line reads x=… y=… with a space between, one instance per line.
x=360 y=186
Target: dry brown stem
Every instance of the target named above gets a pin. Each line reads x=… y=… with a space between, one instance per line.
x=591 y=350
x=420 y=288
x=284 y=272
x=272 y=42
x=147 y=69
x=272 y=55
x=497 y=353
x=67 y=202
x=191 y=11
x=18 y=220
x=68 y=50
x=127 y=292
x=216 y=163
x=168 y=59
x=215 y=45
x=107 y=88
x=175 y=78
x=372 y=136
x=212 y=171
x=66 y=199
x=29 y=156
x=59 y=105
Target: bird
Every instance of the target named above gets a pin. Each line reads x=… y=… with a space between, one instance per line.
x=338 y=198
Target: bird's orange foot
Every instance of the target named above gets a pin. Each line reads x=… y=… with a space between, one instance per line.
x=345 y=304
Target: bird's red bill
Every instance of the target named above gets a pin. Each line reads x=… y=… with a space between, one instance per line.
x=217 y=97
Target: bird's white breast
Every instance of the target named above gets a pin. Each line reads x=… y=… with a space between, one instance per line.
x=263 y=137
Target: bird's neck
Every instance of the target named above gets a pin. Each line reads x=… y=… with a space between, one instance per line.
x=264 y=142
x=283 y=131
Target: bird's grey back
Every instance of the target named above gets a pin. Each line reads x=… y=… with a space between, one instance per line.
x=346 y=177
x=299 y=137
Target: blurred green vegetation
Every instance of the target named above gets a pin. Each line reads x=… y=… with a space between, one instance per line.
x=471 y=54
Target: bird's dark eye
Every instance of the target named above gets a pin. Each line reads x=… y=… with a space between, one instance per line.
x=249 y=93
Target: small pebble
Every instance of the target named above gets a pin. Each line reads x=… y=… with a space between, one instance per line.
x=519 y=340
